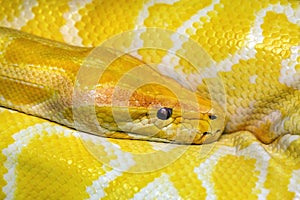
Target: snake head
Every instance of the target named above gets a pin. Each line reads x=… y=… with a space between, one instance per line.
x=184 y=120
x=133 y=100
x=153 y=112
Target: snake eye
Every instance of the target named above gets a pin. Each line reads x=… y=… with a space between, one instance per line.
x=164 y=113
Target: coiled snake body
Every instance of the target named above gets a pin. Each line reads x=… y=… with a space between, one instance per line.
x=233 y=69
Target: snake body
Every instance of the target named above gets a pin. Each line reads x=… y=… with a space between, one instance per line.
x=248 y=90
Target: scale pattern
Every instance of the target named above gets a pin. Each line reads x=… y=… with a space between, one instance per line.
x=255 y=47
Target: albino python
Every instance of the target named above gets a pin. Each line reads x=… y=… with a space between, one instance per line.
x=195 y=99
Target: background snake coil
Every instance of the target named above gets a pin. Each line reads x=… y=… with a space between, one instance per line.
x=191 y=71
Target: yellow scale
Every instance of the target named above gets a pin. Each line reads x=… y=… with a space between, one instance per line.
x=253 y=44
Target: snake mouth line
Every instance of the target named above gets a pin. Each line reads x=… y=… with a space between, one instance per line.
x=196 y=137
x=122 y=135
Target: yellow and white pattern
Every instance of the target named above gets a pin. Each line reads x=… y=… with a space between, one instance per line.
x=255 y=46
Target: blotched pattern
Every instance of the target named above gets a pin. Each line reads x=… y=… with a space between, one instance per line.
x=255 y=49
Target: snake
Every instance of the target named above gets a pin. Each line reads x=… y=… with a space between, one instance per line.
x=166 y=99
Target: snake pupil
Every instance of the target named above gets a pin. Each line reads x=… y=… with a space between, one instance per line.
x=164 y=113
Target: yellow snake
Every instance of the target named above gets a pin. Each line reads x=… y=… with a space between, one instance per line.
x=171 y=71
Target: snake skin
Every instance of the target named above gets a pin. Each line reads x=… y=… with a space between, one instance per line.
x=255 y=51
